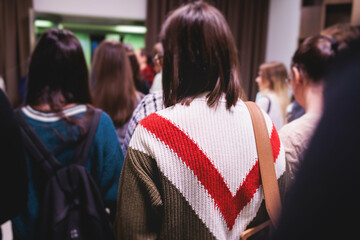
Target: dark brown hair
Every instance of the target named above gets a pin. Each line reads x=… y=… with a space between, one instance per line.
x=314 y=57
x=113 y=87
x=57 y=72
x=344 y=34
x=158 y=49
x=199 y=56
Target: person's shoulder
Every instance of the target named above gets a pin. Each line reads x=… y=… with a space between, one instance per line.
x=269 y=123
x=154 y=120
x=306 y=120
x=264 y=102
x=291 y=127
x=151 y=119
x=139 y=96
x=105 y=119
x=150 y=103
x=106 y=128
x=156 y=94
x=106 y=136
x=299 y=129
x=263 y=99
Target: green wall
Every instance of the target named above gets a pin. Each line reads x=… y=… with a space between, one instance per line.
x=85 y=42
x=137 y=41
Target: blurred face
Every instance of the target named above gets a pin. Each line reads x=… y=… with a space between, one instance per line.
x=158 y=63
x=263 y=83
x=141 y=59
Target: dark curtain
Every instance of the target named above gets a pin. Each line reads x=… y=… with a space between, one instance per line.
x=14 y=44
x=248 y=20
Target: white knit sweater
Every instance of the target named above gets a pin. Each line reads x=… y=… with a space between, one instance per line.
x=209 y=156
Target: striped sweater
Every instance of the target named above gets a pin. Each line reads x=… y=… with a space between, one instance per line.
x=191 y=172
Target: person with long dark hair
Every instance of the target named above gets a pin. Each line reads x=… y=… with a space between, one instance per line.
x=191 y=169
x=58 y=109
x=113 y=87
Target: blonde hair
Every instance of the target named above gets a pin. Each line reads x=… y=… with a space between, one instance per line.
x=276 y=74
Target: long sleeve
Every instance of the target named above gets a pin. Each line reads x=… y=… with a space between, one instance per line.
x=139 y=202
x=109 y=158
x=182 y=181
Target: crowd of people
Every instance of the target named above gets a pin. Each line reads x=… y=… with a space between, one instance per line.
x=174 y=154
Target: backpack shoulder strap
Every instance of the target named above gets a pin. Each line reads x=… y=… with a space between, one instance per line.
x=43 y=157
x=82 y=152
x=266 y=163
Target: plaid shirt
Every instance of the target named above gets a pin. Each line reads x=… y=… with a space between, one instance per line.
x=151 y=103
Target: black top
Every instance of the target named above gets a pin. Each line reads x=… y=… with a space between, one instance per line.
x=13 y=174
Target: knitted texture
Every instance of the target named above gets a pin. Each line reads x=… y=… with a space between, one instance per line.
x=192 y=172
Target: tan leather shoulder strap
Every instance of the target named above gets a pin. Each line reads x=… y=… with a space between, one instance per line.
x=266 y=163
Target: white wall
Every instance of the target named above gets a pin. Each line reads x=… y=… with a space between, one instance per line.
x=134 y=9
x=283 y=30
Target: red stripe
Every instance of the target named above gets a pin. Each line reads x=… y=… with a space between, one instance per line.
x=275 y=142
x=189 y=152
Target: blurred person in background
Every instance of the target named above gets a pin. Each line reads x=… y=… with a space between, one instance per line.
x=151 y=103
x=146 y=65
x=322 y=202
x=113 y=87
x=140 y=83
x=310 y=64
x=343 y=33
x=294 y=110
x=158 y=53
x=57 y=107
x=274 y=91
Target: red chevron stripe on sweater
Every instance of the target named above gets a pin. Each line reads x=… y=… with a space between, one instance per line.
x=205 y=171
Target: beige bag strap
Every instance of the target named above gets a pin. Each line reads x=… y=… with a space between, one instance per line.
x=266 y=163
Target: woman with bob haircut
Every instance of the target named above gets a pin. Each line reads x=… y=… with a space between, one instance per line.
x=274 y=91
x=113 y=87
x=191 y=169
x=58 y=109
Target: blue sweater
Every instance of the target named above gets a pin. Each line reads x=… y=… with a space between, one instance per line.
x=104 y=163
